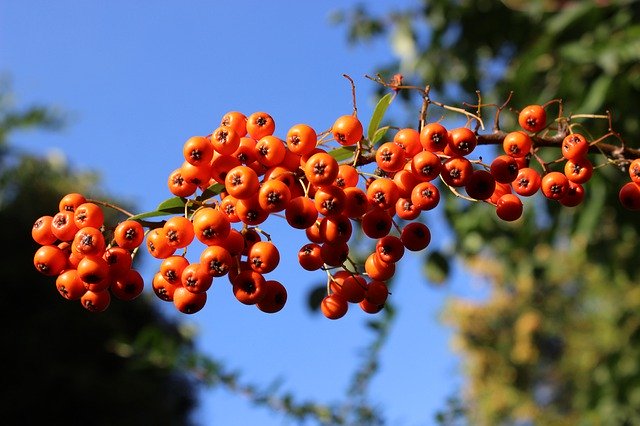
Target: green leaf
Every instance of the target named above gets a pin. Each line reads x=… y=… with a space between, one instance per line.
x=379 y=134
x=315 y=296
x=436 y=267
x=171 y=203
x=378 y=114
x=344 y=153
x=170 y=206
x=211 y=191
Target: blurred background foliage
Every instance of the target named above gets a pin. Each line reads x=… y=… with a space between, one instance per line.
x=558 y=339
x=61 y=363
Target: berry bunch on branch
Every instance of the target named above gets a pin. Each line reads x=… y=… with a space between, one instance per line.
x=322 y=184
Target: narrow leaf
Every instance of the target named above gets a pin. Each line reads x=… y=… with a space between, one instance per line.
x=378 y=114
x=379 y=134
x=211 y=191
x=156 y=213
x=173 y=205
x=341 y=154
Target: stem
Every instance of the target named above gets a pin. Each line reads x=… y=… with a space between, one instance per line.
x=353 y=94
x=111 y=206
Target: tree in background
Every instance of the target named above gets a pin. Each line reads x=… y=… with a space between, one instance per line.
x=62 y=364
x=558 y=339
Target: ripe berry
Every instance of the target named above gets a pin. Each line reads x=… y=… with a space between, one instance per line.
x=63 y=227
x=241 y=182
x=504 y=169
x=554 y=185
x=301 y=139
x=260 y=124
x=309 y=257
x=50 y=260
x=390 y=249
x=196 y=278
x=527 y=182
x=347 y=130
x=321 y=169
x=415 y=236
x=578 y=170
x=94 y=273
x=634 y=170
x=574 y=195
x=456 y=171
x=409 y=140
x=128 y=287
x=353 y=288
x=629 y=196
x=334 y=306
x=188 y=302
x=462 y=141
x=425 y=166
x=270 y=150
x=237 y=121
x=517 y=144
x=574 y=146
x=509 y=207
x=263 y=257
x=383 y=193
x=69 y=285
x=88 y=214
x=301 y=212
x=179 y=231
x=390 y=157
x=215 y=260
x=249 y=287
x=275 y=297
x=377 y=292
x=480 y=185
x=376 y=269
x=96 y=301
x=532 y=118
x=71 y=201
x=434 y=137
x=197 y=150
x=41 y=231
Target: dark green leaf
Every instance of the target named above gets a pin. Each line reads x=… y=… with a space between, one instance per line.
x=171 y=203
x=315 y=297
x=170 y=206
x=211 y=191
x=437 y=267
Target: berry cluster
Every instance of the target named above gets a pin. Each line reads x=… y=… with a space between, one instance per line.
x=74 y=250
x=235 y=178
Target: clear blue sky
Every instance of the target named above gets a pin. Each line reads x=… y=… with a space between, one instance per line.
x=137 y=78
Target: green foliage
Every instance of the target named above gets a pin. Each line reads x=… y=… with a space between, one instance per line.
x=373 y=131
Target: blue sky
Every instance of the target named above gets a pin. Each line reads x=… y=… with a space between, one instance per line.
x=137 y=79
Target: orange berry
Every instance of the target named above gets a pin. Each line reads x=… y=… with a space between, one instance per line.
x=347 y=130
x=334 y=306
x=532 y=118
x=50 y=260
x=260 y=124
